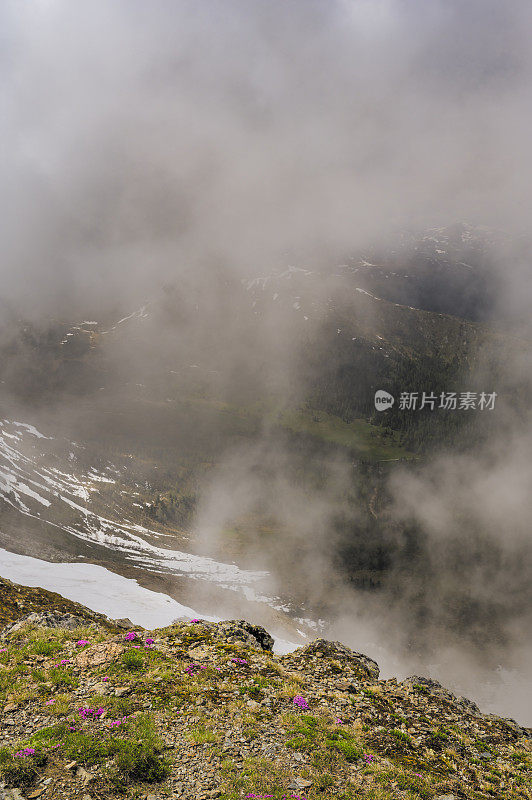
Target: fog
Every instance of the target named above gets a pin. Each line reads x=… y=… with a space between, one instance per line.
x=139 y=140
x=164 y=152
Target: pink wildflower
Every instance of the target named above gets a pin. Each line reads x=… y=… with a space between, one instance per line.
x=300 y=701
x=90 y=712
x=192 y=668
x=28 y=751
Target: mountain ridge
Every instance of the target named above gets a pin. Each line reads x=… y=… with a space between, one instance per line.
x=205 y=710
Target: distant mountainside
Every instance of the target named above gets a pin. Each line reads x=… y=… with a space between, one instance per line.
x=56 y=505
x=114 y=429
x=450 y=270
x=328 y=335
x=138 y=407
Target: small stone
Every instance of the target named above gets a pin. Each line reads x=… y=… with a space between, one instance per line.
x=85 y=776
x=71 y=765
x=10 y=707
x=120 y=691
x=37 y=793
x=100 y=653
x=124 y=623
x=198 y=653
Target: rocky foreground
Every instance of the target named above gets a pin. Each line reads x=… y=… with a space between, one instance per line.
x=93 y=709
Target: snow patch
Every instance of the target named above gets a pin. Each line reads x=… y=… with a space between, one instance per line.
x=31 y=429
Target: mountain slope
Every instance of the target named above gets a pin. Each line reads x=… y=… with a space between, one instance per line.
x=205 y=710
x=55 y=507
